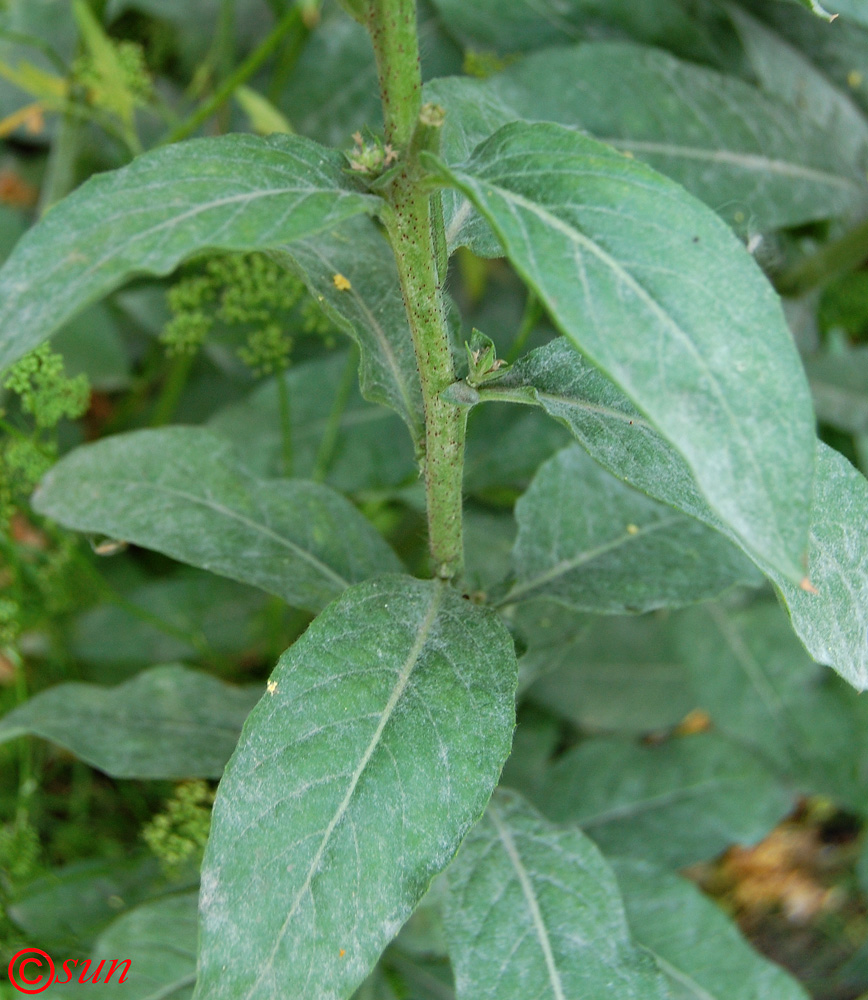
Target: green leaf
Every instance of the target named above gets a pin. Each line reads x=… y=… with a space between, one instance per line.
x=92 y=344
x=167 y=722
x=619 y=674
x=159 y=941
x=786 y=74
x=330 y=106
x=760 y=687
x=356 y=777
x=371 y=451
x=179 y=618
x=594 y=544
x=833 y=623
x=371 y=311
x=679 y=316
x=816 y=8
x=700 y=951
x=522 y=25
x=504 y=450
x=680 y=802
x=853 y=9
x=237 y=192
x=758 y=162
x=536 y=738
x=179 y=490
x=534 y=911
x=838 y=52
x=838 y=385
x=68 y=907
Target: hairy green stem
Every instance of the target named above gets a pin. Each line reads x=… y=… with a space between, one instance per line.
x=409 y=228
x=834 y=259
x=414 y=225
x=291 y=22
x=392 y=26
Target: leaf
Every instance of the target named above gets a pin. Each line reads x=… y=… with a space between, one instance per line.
x=237 y=192
x=679 y=317
x=838 y=385
x=330 y=106
x=534 y=911
x=179 y=490
x=67 y=907
x=696 y=946
x=816 y=8
x=832 y=623
x=593 y=544
x=92 y=344
x=504 y=450
x=167 y=722
x=537 y=736
x=751 y=674
x=182 y=617
x=370 y=452
x=371 y=310
x=355 y=780
x=788 y=75
x=854 y=9
x=677 y=803
x=838 y=52
x=620 y=674
x=159 y=941
x=758 y=162
x=264 y=117
x=510 y=26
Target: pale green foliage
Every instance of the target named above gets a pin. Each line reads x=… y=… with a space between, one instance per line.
x=642 y=170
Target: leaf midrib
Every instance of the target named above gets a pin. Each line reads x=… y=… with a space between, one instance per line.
x=568 y=565
x=403 y=679
x=539 y=926
x=749 y=161
x=254 y=526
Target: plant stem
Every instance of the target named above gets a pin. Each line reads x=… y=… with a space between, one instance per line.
x=392 y=26
x=843 y=254
x=290 y=22
x=414 y=228
x=60 y=175
x=173 y=386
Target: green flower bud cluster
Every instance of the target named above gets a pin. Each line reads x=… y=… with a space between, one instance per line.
x=45 y=390
x=180 y=832
x=23 y=462
x=267 y=350
x=47 y=395
x=246 y=290
x=191 y=322
x=19 y=850
x=104 y=90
